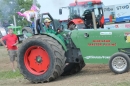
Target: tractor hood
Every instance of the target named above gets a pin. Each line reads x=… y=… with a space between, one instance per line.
x=101 y=42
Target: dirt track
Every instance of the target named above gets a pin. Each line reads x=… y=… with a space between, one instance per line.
x=91 y=75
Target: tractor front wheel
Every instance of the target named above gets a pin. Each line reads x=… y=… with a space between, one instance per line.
x=119 y=63
x=41 y=59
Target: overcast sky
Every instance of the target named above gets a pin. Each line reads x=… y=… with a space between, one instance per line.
x=52 y=6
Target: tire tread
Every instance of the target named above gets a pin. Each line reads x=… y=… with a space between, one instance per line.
x=59 y=63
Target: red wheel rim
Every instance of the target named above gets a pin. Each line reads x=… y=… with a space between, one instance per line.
x=36 y=60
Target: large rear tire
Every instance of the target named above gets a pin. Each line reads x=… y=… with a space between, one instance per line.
x=41 y=59
x=27 y=30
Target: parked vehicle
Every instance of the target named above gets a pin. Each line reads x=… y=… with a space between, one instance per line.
x=2 y=33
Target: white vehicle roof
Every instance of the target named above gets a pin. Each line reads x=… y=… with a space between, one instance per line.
x=3 y=31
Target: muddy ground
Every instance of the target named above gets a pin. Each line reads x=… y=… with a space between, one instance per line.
x=91 y=75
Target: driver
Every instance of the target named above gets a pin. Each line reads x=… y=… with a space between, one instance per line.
x=48 y=28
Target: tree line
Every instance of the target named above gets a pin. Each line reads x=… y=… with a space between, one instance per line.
x=9 y=8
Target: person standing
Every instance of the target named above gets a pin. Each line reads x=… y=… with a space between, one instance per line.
x=11 y=45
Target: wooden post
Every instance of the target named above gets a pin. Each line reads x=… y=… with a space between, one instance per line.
x=14 y=20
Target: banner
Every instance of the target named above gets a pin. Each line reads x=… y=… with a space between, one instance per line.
x=109 y=14
x=120 y=26
x=122 y=12
x=116 y=13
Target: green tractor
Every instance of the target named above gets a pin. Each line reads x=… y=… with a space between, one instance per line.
x=18 y=31
x=45 y=57
x=21 y=34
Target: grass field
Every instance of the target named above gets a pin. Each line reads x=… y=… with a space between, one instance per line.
x=91 y=75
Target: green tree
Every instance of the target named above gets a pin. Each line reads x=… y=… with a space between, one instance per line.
x=11 y=7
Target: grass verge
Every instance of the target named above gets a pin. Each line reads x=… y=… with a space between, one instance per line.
x=10 y=75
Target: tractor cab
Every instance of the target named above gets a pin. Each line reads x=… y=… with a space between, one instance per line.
x=55 y=24
x=83 y=10
x=78 y=8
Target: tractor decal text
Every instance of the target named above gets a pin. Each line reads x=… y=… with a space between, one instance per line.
x=122 y=7
x=101 y=43
x=97 y=57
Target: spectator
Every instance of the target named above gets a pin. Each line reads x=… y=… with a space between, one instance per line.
x=11 y=45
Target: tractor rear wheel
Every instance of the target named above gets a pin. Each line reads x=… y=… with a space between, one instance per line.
x=27 y=30
x=119 y=63
x=73 y=68
x=41 y=59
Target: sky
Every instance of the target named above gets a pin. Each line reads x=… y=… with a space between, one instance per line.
x=52 y=6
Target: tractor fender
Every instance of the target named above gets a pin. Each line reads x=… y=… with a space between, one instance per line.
x=57 y=39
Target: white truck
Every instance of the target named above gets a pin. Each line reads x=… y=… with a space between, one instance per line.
x=2 y=33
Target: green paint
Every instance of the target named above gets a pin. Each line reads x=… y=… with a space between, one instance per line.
x=97 y=53
x=48 y=30
x=16 y=29
x=59 y=38
x=28 y=34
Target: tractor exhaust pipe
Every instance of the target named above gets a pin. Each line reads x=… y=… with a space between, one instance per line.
x=94 y=21
x=14 y=20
